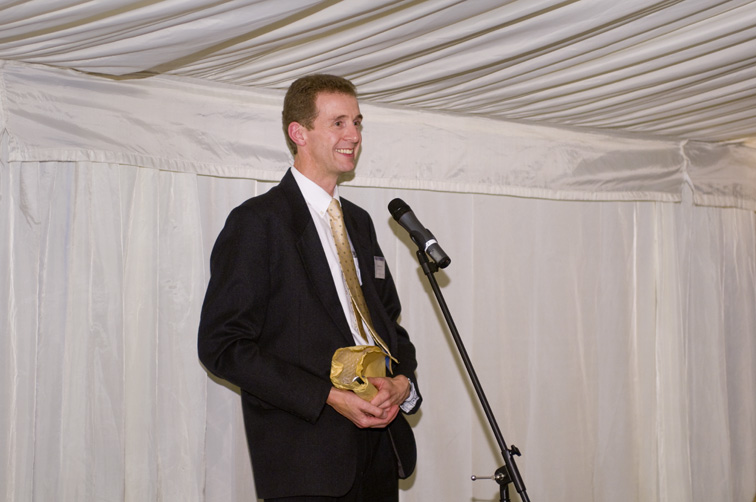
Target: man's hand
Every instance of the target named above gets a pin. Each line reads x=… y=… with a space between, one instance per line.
x=391 y=391
x=362 y=413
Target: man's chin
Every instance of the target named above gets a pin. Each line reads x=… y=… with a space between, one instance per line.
x=347 y=174
x=347 y=168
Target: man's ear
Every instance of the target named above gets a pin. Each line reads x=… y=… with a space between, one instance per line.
x=297 y=133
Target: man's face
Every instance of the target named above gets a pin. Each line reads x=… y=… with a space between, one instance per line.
x=334 y=141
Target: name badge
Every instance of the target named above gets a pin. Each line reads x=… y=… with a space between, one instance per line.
x=380 y=267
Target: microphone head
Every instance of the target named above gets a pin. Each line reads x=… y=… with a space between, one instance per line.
x=398 y=208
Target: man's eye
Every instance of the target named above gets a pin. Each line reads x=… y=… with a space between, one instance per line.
x=338 y=123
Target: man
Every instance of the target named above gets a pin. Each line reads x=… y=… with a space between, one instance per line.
x=278 y=306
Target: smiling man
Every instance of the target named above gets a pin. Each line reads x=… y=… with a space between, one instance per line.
x=297 y=274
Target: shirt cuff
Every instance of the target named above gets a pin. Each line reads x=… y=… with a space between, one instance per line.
x=411 y=401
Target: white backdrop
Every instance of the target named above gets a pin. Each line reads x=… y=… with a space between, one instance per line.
x=615 y=338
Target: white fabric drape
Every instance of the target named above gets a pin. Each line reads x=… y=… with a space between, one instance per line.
x=191 y=126
x=614 y=340
x=614 y=337
x=678 y=68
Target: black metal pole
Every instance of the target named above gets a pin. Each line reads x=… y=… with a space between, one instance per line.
x=509 y=472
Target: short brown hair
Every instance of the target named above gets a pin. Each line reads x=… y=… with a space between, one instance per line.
x=299 y=103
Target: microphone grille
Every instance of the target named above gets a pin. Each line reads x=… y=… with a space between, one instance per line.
x=397 y=208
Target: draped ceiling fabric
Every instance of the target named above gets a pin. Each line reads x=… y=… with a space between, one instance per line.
x=589 y=165
x=674 y=68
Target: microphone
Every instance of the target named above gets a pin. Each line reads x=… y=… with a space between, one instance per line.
x=419 y=234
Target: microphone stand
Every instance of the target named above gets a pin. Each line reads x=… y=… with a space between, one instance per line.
x=508 y=473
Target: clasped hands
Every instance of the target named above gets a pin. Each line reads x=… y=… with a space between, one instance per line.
x=379 y=411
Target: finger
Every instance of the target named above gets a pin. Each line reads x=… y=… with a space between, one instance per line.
x=390 y=416
x=378 y=382
x=381 y=398
x=370 y=409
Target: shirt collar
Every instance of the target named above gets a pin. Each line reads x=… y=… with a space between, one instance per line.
x=313 y=194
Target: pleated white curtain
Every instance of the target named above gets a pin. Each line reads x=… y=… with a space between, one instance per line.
x=611 y=319
x=615 y=342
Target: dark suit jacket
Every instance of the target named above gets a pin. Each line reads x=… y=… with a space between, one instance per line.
x=270 y=324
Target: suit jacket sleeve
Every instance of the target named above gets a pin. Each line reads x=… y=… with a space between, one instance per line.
x=241 y=337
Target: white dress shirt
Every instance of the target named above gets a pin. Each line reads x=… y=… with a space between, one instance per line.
x=318 y=201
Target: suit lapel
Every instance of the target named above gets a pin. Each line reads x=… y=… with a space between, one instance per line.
x=312 y=255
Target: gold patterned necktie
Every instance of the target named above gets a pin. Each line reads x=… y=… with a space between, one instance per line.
x=350 y=275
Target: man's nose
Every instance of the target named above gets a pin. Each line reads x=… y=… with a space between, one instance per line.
x=353 y=133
